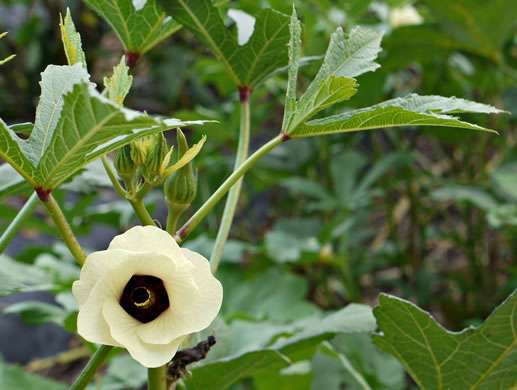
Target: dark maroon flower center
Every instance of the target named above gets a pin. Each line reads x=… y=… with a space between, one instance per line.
x=144 y=298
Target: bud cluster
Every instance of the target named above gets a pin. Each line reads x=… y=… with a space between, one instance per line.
x=150 y=158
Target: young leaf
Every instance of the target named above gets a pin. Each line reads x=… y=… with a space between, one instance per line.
x=247 y=65
x=186 y=158
x=412 y=110
x=138 y=29
x=328 y=92
x=345 y=58
x=71 y=41
x=119 y=83
x=350 y=56
x=476 y=358
x=295 y=31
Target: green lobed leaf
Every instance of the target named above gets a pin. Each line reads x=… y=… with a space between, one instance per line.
x=13 y=377
x=412 y=110
x=11 y=152
x=463 y=193
x=299 y=343
x=346 y=57
x=37 y=312
x=295 y=33
x=472 y=24
x=12 y=183
x=74 y=125
x=476 y=358
x=138 y=29
x=56 y=83
x=71 y=41
x=119 y=83
x=247 y=65
x=352 y=55
x=322 y=95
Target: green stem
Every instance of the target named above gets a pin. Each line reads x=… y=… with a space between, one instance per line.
x=172 y=221
x=233 y=195
x=201 y=213
x=88 y=372
x=113 y=177
x=139 y=207
x=156 y=378
x=142 y=213
x=64 y=229
x=17 y=222
x=135 y=200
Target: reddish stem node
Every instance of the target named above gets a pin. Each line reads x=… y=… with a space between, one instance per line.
x=244 y=94
x=182 y=232
x=285 y=137
x=131 y=59
x=43 y=194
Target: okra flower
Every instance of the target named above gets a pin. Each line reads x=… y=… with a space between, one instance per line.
x=146 y=294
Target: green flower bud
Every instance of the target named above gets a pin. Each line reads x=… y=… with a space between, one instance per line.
x=124 y=164
x=181 y=187
x=158 y=159
x=141 y=148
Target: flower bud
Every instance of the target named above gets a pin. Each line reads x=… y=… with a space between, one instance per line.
x=124 y=164
x=155 y=159
x=181 y=187
x=141 y=148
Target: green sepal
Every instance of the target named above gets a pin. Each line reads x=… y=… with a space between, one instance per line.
x=158 y=159
x=124 y=164
x=181 y=187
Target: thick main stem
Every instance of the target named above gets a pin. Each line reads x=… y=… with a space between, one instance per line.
x=233 y=195
x=88 y=372
x=156 y=378
x=64 y=229
x=17 y=222
x=201 y=213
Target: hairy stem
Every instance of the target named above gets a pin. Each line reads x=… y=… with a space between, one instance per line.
x=88 y=372
x=233 y=195
x=17 y=222
x=201 y=213
x=64 y=229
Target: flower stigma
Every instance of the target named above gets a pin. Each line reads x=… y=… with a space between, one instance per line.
x=144 y=298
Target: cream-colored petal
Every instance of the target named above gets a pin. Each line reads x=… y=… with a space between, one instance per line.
x=95 y=267
x=148 y=238
x=81 y=291
x=124 y=328
x=91 y=324
x=191 y=309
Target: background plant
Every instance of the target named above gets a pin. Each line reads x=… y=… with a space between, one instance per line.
x=425 y=217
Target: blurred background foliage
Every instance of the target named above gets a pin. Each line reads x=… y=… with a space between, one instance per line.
x=429 y=214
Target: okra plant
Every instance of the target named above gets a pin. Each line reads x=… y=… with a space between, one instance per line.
x=147 y=293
